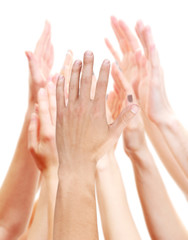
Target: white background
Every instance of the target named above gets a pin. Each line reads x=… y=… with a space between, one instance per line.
x=81 y=25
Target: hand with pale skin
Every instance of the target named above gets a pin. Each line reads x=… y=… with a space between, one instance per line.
x=129 y=46
x=40 y=63
x=42 y=145
x=138 y=73
x=21 y=183
x=83 y=136
x=156 y=103
x=161 y=218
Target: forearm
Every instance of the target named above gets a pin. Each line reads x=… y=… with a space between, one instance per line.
x=115 y=214
x=176 y=138
x=166 y=155
x=161 y=218
x=42 y=226
x=19 y=187
x=75 y=212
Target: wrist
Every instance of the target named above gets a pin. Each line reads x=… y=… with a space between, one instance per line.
x=163 y=119
x=106 y=162
x=141 y=158
x=77 y=169
x=50 y=173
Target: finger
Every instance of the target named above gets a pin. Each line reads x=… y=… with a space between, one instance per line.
x=46 y=46
x=40 y=43
x=112 y=50
x=123 y=119
x=60 y=97
x=87 y=72
x=44 y=113
x=117 y=81
x=33 y=133
x=33 y=67
x=74 y=82
x=47 y=49
x=67 y=61
x=93 y=87
x=110 y=100
x=50 y=57
x=102 y=83
x=66 y=70
x=152 y=51
x=55 y=78
x=120 y=79
x=52 y=101
x=119 y=35
x=139 y=28
x=131 y=39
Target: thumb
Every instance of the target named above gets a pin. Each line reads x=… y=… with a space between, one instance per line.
x=123 y=119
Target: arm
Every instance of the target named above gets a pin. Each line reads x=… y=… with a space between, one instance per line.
x=43 y=149
x=83 y=136
x=161 y=218
x=158 y=108
x=19 y=187
x=160 y=215
x=116 y=217
x=133 y=66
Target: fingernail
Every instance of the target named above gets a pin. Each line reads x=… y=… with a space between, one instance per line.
x=88 y=53
x=78 y=62
x=134 y=109
x=130 y=98
x=106 y=62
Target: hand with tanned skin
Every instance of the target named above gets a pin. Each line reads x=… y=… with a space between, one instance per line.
x=83 y=136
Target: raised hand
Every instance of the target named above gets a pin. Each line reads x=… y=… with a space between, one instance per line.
x=129 y=45
x=133 y=134
x=152 y=92
x=41 y=138
x=86 y=117
x=40 y=63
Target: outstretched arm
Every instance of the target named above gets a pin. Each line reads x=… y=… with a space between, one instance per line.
x=117 y=221
x=161 y=218
x=134 y=68
x=43 y=149
x=19 y=187
x=83 y=136
x=158 y=108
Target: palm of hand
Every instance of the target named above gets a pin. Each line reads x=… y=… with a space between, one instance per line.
x=40 y=63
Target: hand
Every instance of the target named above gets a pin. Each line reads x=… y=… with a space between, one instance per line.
x=151 y=88
x=133 y=134
x=82 y=131
x=129 y=45
x=40 y=63
x=41 y=137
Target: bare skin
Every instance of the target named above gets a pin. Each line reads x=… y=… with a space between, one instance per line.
x=20 y=185
x=161 y=218
x=137 y=70
x=83 y=136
